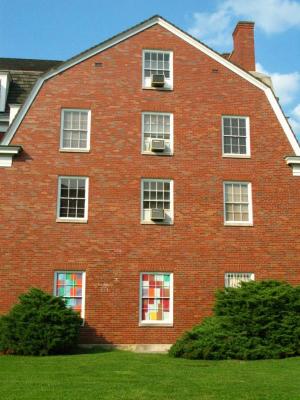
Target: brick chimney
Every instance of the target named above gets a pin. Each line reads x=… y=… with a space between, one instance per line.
x=243 y=46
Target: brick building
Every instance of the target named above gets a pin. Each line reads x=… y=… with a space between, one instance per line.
x=143 y=174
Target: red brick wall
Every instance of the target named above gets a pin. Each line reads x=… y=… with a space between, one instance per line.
x=113 y=247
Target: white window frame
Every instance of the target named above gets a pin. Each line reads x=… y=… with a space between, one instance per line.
x=226 y=278
x=169 y=81
x=56 y=272
x=166 y=152
x=157 y=323
x=170 y=214
x=4 y=86
x=88 y=143
x=250 y=207
x=248 y=149
x=86 y=204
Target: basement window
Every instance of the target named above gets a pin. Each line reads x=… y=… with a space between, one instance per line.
x=234 y=279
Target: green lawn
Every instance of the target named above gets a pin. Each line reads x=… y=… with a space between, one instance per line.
x=124 y=375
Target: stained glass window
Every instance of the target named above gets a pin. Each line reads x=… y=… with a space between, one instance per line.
x=70 y=286
x=156 y=297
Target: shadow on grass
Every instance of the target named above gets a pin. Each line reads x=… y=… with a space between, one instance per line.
x=96 y=349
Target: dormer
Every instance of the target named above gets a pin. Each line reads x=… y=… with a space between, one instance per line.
x=4 y=86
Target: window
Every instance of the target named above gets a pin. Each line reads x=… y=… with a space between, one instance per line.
x=72 y=198
x=75 y=130
x=236 y=136
x=237 y=203
x=157 y=194
x=156 y=62
x=157 y=126
x=234 y=279
x=156 y=298
x=71 y=287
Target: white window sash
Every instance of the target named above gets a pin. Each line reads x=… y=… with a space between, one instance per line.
x=73 y=219
x=146 y=82
x=169 y=143
x=250 y=209
x=169 y=213
x=62 y=129
x=248 y=149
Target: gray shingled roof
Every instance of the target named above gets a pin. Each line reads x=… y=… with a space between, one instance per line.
x=24 y=73
x=23 y=64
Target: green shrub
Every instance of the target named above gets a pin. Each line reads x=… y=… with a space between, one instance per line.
x=258 y=320
x=39 y=324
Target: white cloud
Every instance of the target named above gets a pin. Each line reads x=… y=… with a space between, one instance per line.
x=286 y=86
x=272 y=16
x=214 y=28
x=295 y=120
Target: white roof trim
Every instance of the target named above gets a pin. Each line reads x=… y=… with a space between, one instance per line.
x=184 y=36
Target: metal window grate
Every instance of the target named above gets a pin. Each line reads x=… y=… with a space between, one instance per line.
x=234 y=279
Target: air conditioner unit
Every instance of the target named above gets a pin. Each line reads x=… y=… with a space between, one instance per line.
x=158 y=81
x=157 y=214
x=157 y=145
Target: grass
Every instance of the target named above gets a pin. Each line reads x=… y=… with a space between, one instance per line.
x=124 y=375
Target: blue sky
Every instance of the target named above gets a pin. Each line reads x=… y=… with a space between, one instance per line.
x=59 y=29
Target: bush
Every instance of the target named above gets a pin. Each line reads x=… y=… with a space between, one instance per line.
x=259 y=320
x=40 y=324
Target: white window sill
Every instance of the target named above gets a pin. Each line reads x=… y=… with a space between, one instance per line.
x=74 y=150
x=163 y=89
x=156 y=324
x=157 y=153
x=74 y=220
x=156 y=223
x=238 y=223
x=236 y=155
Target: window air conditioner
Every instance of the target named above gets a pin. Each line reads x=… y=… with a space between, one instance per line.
x=157 y=214
x=157 y=145
x=158 y=81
